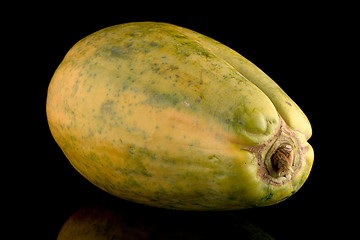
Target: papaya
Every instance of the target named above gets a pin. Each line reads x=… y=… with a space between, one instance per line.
x=164 y=116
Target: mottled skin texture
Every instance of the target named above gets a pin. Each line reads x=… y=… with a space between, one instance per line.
x=150 y=113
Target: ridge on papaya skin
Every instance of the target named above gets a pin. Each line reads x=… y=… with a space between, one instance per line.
x=164 y=116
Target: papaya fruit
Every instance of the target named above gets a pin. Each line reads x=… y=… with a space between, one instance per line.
x=161 y=115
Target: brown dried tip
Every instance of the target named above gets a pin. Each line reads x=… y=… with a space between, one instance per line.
x=282 y=160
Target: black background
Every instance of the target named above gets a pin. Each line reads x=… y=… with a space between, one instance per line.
x=297 y=46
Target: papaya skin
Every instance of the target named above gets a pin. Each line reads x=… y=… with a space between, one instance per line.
x=289 y=110
x=151 y=113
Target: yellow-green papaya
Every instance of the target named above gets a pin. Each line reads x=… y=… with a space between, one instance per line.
x=161 y=115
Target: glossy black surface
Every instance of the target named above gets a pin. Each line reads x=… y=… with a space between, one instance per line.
x=45 y=190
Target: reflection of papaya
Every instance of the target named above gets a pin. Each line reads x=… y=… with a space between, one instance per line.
x=100 y=222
